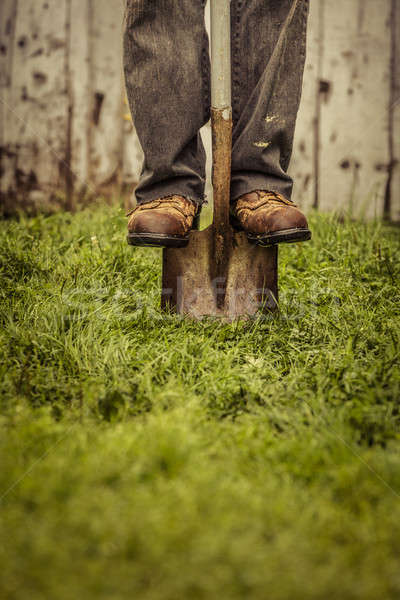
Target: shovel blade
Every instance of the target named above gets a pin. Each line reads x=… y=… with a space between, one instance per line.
x=249 y=284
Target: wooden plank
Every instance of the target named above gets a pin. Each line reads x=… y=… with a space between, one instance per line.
x=107 y=109
x=394 y=191
x=132 y=158
x=354 y=158
x=303 y=164
x=38 y=102
x=79 y=93
x=207 y=141
x=8 y=12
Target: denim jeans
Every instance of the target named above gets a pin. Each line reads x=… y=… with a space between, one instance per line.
x=167 y=74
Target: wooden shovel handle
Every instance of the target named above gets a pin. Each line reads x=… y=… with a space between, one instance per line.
x=221 y=120
x=221 y=178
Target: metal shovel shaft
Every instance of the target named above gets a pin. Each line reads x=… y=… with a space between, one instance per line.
x=220 y=54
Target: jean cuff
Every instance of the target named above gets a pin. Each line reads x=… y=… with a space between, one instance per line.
x=244 y=183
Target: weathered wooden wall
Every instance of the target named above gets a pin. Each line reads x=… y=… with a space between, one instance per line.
x=64 y=130
x=63 y=126
x=347 y=145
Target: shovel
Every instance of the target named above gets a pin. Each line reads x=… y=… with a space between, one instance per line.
x=219 y=273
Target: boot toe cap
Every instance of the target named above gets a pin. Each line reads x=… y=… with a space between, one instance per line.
x=154 y=222
x=277 y=220
x=290 y=218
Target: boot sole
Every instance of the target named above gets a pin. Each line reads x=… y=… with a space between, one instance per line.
x=157 y=240
x=287 y=236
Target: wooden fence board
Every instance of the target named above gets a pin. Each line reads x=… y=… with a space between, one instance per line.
x=303 y=164
x=355 y=75
x=39 y=99
x=79 y=92
x=106 y=152
x=395 y=116
x=133 y=153
x=7 y=155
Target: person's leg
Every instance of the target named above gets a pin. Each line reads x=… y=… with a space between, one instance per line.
x=166 y=66
x=268 y=54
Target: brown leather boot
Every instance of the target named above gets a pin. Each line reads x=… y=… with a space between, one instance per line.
x=163 y=222
x=268 y=219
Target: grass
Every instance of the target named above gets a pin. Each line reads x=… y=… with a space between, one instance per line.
x=147 y=456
